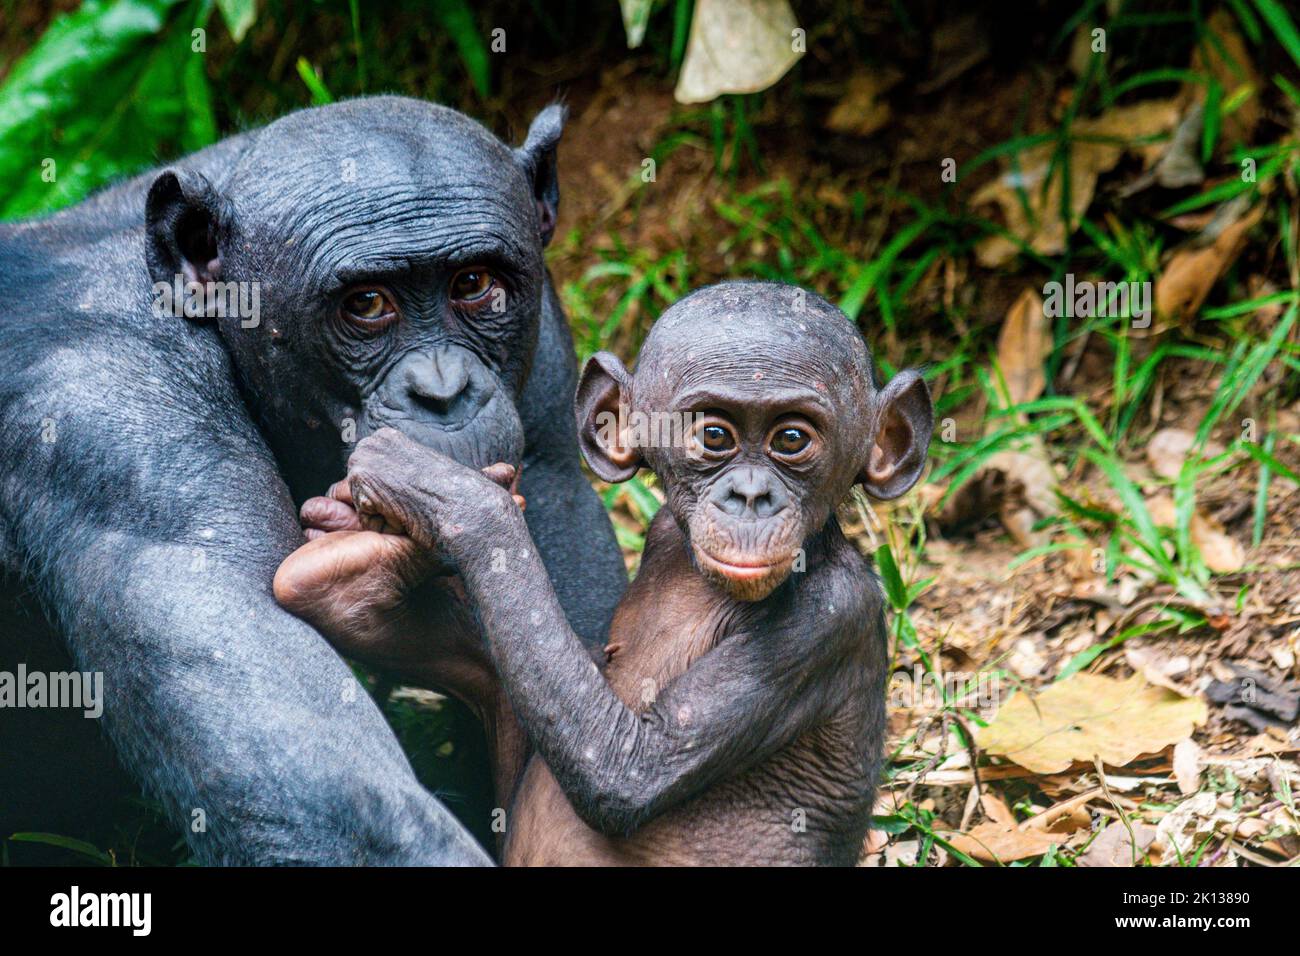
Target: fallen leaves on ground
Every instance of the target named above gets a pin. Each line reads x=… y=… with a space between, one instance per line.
x=1221 y=552
x=1170 y=447
x=1119 y=845
x=1024 y=342
x=864 y=110
x=1089 y=716
x=1192 y=271
x=1032 y=213
x=1002 y=843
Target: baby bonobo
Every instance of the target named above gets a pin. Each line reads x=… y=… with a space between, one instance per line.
x=739 y=716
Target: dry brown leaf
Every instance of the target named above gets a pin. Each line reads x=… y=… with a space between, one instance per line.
x=1187 y=766
x=1087 y=716
x=1232 y=73
x=1024 y=343
x=1193 y=270
x=863 y=109
x=1000 y=843
x=996 y=809
x=1093 y=151
x=1155 y=669
x=1114 y=845
x=1222 y=553
x=1167 y=451
x=1014 y=485
x=736 y=46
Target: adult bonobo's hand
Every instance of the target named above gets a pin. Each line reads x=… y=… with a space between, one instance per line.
x=358 y=581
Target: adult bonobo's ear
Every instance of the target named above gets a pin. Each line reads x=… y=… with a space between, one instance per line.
x=900 y=436
x=602 y=435
x=183 y=218
x=538 y=156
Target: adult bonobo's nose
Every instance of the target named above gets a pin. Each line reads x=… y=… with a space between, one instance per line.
x=445 y=397
x=748 y=492
x=441 y=384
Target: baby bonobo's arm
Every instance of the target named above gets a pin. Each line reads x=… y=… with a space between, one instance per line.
x=738 y=704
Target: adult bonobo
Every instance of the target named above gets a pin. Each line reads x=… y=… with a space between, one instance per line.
x=388 y=261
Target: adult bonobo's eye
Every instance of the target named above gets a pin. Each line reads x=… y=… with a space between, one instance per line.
x=372 y=308
x=472 y=284
x=794 y=443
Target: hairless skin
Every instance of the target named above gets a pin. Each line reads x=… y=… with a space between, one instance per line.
x=739 y=716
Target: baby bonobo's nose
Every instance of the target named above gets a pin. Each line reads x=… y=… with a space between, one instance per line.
x=439 y=382
x=749 y=492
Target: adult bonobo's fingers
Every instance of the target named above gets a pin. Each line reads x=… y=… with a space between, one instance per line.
x=340 y=491
x=322 y=515
x=502 y=474
x=372 y=507
x=507 y=476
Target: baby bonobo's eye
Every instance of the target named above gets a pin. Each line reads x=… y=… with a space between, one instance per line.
x=793 y=443
x=371 y=308
x=713 y=437
x=716 y=438
x=472 y=284
x=790 y=441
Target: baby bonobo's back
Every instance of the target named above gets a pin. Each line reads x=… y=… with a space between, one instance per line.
x=739 y=717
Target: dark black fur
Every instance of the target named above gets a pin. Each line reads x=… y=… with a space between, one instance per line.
x=145 y=535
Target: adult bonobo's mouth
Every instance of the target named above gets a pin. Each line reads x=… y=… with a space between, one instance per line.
x=447 y=399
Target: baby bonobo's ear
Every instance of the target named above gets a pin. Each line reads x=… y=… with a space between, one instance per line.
x=603 y=437
x=900 y=436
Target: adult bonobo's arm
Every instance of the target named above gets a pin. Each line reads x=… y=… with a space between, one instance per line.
x=572 y=532
x=153 y=517
x=738 y=704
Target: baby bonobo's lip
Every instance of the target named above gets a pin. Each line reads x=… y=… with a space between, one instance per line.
x=739 y=571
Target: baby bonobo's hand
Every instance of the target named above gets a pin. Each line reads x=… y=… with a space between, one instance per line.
x=442 y=505
x=357 y=577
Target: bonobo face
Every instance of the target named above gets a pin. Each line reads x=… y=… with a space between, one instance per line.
x=396 y=252
x=766 y=397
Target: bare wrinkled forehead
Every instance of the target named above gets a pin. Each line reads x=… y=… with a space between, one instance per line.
x=756 y=336
x=386 y=144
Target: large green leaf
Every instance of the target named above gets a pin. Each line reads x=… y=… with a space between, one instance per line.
x=106 y=91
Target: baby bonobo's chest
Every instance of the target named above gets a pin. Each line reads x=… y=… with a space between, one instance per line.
x=802 y=805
